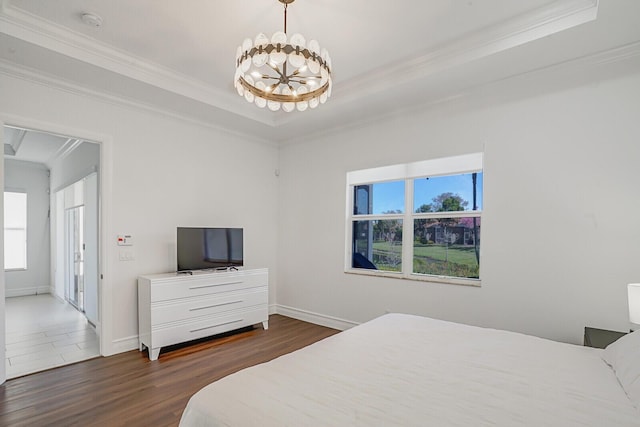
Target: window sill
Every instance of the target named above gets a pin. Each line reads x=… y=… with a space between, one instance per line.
x=417 y=277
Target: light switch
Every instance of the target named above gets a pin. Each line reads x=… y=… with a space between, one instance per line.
x=126 y=256
x=125 y=240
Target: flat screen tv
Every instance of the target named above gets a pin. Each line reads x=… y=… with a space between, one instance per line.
x=209 y=248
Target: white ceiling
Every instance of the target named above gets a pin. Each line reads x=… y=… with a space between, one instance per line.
x=36 y=147
x=179 y=56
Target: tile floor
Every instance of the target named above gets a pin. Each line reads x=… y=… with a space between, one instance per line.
x=43 y=332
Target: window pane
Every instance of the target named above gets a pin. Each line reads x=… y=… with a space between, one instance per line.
x=15 y=210
x=362 y=195
x=15 y=249
x=15 y=233
x=377 y=244
x=379 y=198
x=448 y=193
x=447 y=247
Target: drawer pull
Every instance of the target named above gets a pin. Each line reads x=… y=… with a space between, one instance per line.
x=215 y=305
x=215 y=326
x=215 y=284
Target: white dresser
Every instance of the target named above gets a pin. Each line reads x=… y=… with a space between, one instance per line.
x=174 y=308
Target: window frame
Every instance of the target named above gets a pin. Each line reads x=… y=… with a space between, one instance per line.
x=25 y=229
x=409 y=172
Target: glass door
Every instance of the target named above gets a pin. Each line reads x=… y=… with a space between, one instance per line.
x=74 y=231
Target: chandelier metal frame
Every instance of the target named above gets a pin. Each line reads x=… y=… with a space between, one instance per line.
x=280 y=76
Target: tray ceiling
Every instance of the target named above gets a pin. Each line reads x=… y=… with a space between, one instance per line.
x=179 y=56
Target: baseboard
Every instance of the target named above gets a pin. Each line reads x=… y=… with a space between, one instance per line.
x=273 y=309
x=23 y=292
x=122 y=345
x=316 y=318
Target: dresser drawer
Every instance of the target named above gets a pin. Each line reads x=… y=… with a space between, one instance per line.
x=205 y=326
x=171 y=311
x=205 y=285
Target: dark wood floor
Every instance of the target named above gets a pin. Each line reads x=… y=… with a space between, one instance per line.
x=129 y=389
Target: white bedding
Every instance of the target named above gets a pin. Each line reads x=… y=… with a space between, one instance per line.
x=413 y=371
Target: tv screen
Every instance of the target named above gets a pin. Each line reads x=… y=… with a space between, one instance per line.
x=209 y=248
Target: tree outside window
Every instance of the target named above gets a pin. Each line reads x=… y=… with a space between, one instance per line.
x=443 y=213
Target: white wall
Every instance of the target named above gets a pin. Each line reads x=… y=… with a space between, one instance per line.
x=562 y=164
x=33 y=178
x=81 y=162
x=3 y=368
x=561 y=196
x=165 y=173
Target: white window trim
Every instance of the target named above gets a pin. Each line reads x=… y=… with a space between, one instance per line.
x=466 y=163
x=407 y=172
x=25 y=228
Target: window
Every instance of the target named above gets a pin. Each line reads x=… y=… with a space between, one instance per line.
x=377 y=225
x=418 y=220
x=15 y=231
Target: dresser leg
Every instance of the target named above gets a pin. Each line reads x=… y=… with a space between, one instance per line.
x=154 y=353
x=265 y=325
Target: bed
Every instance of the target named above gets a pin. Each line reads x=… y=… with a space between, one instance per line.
x=405 y=370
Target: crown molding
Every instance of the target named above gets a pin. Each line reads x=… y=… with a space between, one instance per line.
x=10 y=69
x=626 y=56
x=577 y=66
x=33 y=29
x=549 y=19
x=544 y=21
x=63 y=152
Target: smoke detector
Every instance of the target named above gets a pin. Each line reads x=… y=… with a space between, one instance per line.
x=92 y=20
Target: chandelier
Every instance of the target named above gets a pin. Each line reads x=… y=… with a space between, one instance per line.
x=283 y=72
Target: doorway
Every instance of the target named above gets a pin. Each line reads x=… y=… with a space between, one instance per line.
x=72 y=243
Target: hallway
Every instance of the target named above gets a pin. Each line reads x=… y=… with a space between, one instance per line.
x=43 y=332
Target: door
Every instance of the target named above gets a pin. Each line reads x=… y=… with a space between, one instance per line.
x=74 y=232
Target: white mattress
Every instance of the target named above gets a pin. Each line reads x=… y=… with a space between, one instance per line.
x=413 y=371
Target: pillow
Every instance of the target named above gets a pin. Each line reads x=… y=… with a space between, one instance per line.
x=624 y=357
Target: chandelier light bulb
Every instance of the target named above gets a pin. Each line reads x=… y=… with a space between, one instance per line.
x=283 y=72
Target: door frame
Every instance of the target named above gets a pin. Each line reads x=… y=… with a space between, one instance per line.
x=105 y=179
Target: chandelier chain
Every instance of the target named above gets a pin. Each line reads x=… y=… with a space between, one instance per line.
x=285 y=18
